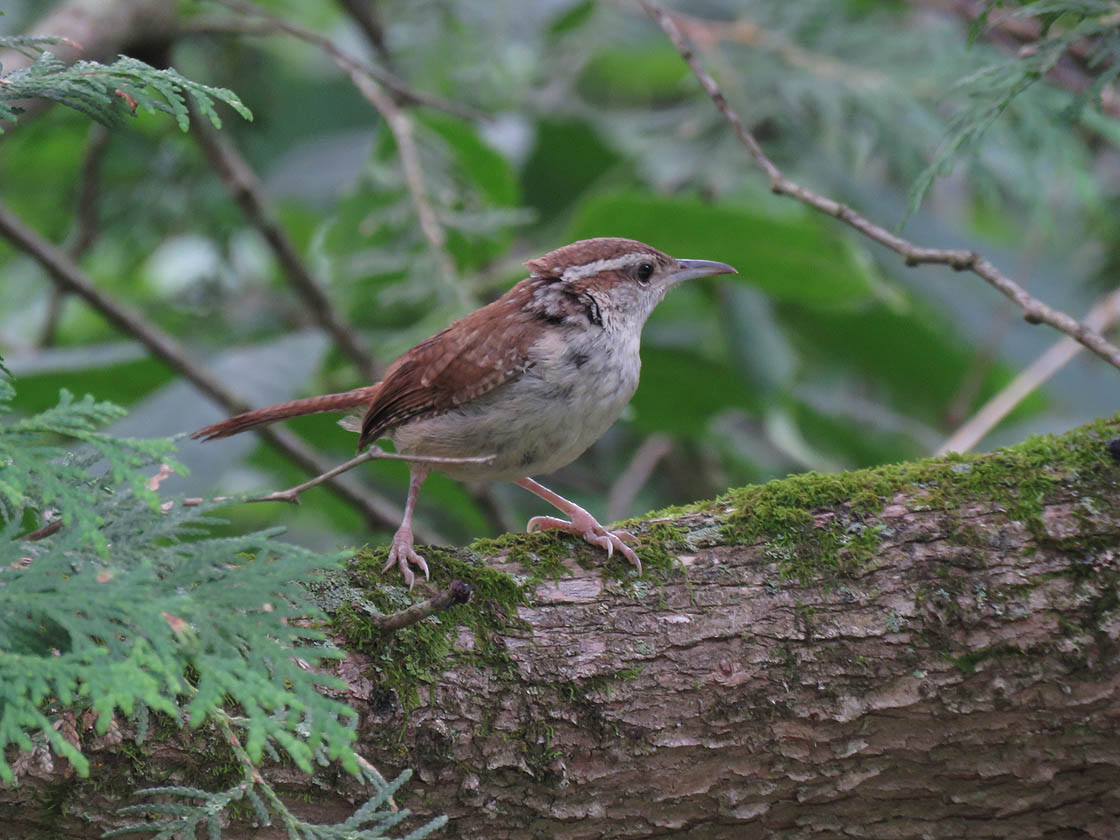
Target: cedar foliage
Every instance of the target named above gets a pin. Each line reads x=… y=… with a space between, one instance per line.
x=131 y=607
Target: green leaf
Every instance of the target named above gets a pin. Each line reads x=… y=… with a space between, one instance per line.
x=635 y=75
x=571 y=19
x=569 y=156
x=915 y=358
x=680 y=391
x=489 y=171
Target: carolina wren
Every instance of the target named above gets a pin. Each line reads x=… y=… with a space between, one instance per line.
x=532 y=379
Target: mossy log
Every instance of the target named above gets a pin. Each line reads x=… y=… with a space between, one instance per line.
x=925 y=650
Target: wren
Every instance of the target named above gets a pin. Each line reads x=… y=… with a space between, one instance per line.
x=529 y=381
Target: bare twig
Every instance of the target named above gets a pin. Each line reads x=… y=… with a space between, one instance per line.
x=457 y=593
x=637 y=473
x=373 y=453
x=52 y=527
x=1035 y=311
x=1103 y=314
x=401 y=126
x=378 y=511
x=364 y=15
x=984 y=356
x=86 y=224
x=369 y=84
x=245 y=188
x=399 y=87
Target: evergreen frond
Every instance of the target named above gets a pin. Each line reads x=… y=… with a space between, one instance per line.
x=988 y=93
x=183 y=818
x=132 y=606
x=107 y=92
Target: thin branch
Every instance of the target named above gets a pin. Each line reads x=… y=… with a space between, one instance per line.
x=86 y=224
x=379 y=75
x=401 y=126
x=292 y=494
x=378 y=511
x=1035 y=311
x=457 y=593
x=364 y=14
x=245 y=187
x=52 y=527
x=369 y=84
x=1100 y=317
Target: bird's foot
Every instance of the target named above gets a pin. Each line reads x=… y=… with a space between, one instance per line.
x=401 y=554
x=585 y=525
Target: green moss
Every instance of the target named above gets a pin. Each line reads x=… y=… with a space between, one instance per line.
x=536 y=749
x=969 y=661
x=418 y=654
x=810 y=524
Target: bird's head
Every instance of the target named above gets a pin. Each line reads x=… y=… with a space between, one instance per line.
x=626 y=277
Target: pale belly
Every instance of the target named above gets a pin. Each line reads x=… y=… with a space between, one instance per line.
x=532 y=425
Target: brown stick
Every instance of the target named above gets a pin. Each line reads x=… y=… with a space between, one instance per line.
x=1103 y=314
x=457 y=593
x=86 y=224
x=1035 y=311
x=292 y=494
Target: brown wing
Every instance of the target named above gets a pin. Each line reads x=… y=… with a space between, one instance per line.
x=474 y=355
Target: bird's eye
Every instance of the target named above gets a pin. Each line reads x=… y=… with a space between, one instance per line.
x=644 y=272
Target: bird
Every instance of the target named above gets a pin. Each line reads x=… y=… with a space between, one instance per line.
x=524 y=385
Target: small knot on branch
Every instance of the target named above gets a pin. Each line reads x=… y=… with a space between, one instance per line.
x=963 y=261
x=1114 y=449
x=460 y=592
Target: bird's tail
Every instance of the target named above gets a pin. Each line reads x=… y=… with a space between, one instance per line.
x=296 y=408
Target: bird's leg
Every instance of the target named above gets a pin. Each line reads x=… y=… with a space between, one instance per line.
x=583 y=524
x=401 y=553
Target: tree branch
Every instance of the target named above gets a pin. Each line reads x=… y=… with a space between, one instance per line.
x=911 y=651
x=243 y=184
x=1035 y=311
x=1103 y=315
x=86 y=225
x=378 y=511
x=364 y=14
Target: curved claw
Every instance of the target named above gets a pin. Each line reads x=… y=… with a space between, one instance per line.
x=590 y=530
x=400 y=555
x=547 y=523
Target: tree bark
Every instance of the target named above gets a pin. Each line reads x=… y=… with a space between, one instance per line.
x=917 y=651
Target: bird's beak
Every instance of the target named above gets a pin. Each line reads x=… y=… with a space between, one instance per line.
x=689 y=269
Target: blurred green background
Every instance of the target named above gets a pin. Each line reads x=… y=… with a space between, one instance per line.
x=824 y=353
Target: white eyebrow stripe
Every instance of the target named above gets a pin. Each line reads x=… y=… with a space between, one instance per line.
x=577 y=272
